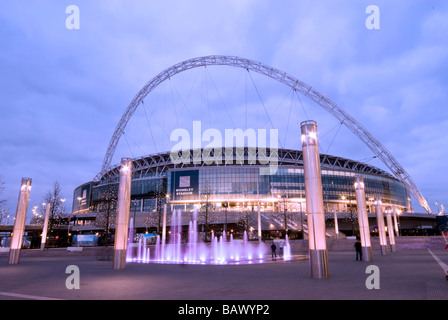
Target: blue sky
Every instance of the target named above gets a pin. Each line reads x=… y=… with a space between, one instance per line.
x=63 y=91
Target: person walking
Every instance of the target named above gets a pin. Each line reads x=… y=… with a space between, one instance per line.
x=358 y=249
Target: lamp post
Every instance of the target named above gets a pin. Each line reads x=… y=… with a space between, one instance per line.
x=390 y=229
x=394 y=212
x=225 y=205
x=336 y=225
x=68 y=220
x=301 y=220
x=134 y=203
x=381 y=229
x=363 y=219
x=259 y=221
x=122 y=224
x=314 y=200
x=45 y=228
x=19 y=223
x=399 y=212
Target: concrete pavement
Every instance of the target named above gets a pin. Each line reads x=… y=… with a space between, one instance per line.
x=403 y=275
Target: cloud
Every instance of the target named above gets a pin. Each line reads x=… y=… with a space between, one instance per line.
x=63 y=92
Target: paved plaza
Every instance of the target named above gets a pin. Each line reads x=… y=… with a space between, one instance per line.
x=405 y=274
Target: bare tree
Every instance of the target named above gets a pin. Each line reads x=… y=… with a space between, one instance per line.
x=155 y=218
x=106 y=208
x=351 y=216
x=58 y=211
x=205 y=215
x=283 y=213
x=4 y=214
x=246 y=218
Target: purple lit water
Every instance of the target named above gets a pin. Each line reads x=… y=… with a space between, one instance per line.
x=219 y=251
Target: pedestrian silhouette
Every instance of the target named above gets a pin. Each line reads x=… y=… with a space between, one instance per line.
x=274 y=251
x=358 y=249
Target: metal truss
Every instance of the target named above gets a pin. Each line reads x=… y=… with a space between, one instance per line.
x=377 y=148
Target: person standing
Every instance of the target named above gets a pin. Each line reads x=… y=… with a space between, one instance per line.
x=358 y=249
x=274 y=251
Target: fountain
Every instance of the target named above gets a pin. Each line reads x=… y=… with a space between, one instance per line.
x=219 y=251
x=287 y=249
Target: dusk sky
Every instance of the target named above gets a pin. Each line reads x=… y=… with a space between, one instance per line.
x=63 y=91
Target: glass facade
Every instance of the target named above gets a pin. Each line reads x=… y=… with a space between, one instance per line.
x=144 y=194
x=239 y=185
x=244 y=183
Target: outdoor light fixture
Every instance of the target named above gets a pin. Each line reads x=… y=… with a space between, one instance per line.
x=363 y=219
x=359 y=185
x=19 y=223
x=312 y=137
x=390 y=228
x=45 y=227
x=314 y=200
x=122 y=224
x=381 y=227
x=26 y=187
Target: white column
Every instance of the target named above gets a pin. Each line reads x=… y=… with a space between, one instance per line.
x=381 y=229
x=164 y=223
x=259 y=223
x=314 y=201
x=19 y=224
x=363 y=219
x=162 y=255
x=336 y=225
x=390 y=230
x=122 y=224
x=394 y=210
x=45 y=228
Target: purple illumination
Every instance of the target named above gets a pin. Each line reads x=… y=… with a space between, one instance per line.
x=219 y=251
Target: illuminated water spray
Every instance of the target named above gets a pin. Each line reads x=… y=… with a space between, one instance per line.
x=221 y=250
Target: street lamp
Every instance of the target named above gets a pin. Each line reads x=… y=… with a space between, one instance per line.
x=314 y=200
x=19 y=223
x=45 y=227
x=381 y=227
x=438 y=210
x=225 y=205
x=134 y=203
x=122 y=221
x=301 y=219
x=399 y=212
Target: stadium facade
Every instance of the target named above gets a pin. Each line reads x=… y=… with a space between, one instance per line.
x=233 y=189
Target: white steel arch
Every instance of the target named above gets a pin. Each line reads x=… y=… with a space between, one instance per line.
x=378 y=149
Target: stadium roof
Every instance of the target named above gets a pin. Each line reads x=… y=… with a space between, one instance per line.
x=161 y=162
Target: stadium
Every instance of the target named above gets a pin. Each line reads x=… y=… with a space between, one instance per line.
x=232 y=192
x=227 y=194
